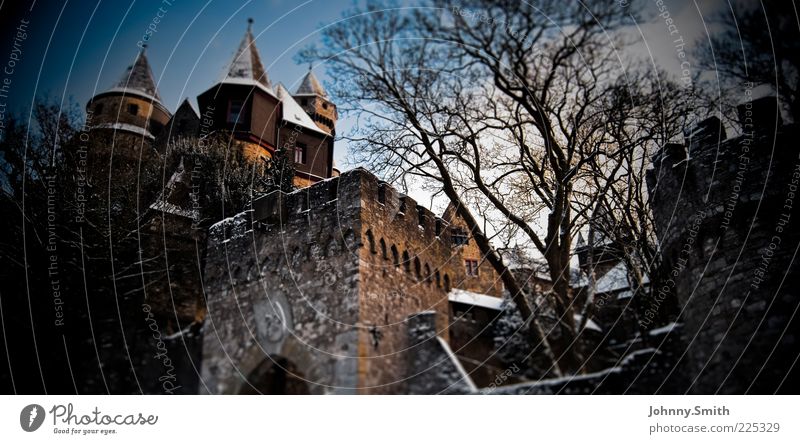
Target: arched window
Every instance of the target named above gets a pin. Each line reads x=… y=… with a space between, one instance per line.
x=382 y=192
x=427 y=273
x=406 y=262
x=371 y=240
x=446 y=283
x=438 y=279
x=395 y=256
x=417 y=269
x=384 y=253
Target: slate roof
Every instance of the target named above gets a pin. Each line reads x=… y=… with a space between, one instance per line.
x=246 y=63
x=138 y=79
x=311 y=86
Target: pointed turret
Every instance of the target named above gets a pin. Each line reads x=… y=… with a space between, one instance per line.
x=311 y=86
x=243 y=102
x=314 y=99
x=246 y=63
x=138 y=78
x=132 y=104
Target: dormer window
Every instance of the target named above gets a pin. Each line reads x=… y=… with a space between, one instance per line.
x=133 y=109
x=235 y=111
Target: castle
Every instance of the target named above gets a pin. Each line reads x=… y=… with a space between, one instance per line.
x=260 y=117
x=341 y=267
x=348 y=286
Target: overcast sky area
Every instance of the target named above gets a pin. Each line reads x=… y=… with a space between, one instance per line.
x=76 y=49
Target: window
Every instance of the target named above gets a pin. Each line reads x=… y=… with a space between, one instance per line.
x=459 y=236
x=133 y=109
x=300 y=153
x=406 y=262
x=382 y=193
x=235 y=111
x=324 y=105
x=395 y=256
x=383 y=249
x=471 y=266
x=98 y=109
x=371 y=241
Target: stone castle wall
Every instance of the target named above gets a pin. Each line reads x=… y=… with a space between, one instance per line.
x=408 y=265
x=325 y=277
x=726 y=220
x=281 y=281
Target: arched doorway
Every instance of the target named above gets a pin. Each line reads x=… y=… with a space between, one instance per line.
x=275 y=376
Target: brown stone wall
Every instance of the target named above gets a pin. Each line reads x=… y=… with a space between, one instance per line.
x=487 y=281
x=326 y=253
x=392 y=290
x=321 y=110
x=113 y=108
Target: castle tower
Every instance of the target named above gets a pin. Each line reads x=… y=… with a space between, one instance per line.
x=316 y=103
x=132 y=105
x=721 y=208
x=264 y=118
x=243 y=102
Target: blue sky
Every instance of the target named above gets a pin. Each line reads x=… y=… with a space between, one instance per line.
x=76 y=49
x=192 y=43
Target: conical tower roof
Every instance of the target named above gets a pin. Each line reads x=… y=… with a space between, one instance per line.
x=246 y=65
x=311 y=86
x=138 y=79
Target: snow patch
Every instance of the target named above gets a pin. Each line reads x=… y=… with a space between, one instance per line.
x=665 y=329
x=476 y=299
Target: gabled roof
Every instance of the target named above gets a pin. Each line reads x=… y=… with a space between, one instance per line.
x=187 y=107
x=176 y=198
x=246 y=66
x=616 y=279
x=294 y=113
x=310 y=86
x=138 y=79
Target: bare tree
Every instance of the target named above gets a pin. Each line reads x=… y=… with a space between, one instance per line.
x=759 y=42
x=640 y=121
x=501 y=105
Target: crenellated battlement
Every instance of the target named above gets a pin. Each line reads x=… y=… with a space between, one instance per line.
x=725 y=216
x=349 y=259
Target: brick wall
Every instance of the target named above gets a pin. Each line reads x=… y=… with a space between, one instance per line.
x=348 y=259
x=728 y=242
